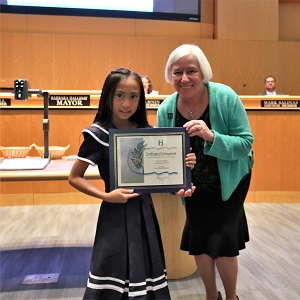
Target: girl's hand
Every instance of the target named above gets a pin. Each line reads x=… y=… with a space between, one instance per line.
x=190 y=160
x=120 y=195
x=77 y=180
x=187 y=193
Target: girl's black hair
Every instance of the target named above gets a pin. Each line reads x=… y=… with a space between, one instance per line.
x=105 y=108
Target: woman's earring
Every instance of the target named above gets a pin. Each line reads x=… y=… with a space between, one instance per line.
x=138 y=107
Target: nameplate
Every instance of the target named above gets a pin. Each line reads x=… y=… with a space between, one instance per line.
x=69 y=100
x=280 y=103
x=153 y=103
x=5 y=102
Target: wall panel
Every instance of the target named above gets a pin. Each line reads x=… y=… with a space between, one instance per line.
x=82 y=62
x=289 y=21
x=254 y=20
x=239 y=38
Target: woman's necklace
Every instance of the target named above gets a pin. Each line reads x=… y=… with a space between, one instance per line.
x=192 y=111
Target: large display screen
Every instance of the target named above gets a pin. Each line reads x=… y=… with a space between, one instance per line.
x=176 y=10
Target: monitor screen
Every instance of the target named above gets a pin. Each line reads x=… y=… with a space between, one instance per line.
x=172 y=10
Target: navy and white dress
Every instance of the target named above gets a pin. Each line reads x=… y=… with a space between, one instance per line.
x=127 y=260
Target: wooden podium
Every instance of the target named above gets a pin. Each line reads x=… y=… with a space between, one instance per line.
x=171 y=217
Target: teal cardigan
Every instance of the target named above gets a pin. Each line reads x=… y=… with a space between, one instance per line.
x=232 y=145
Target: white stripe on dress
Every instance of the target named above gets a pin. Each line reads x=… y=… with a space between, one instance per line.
x=108 y=278
x=101 y=128
x=126 y=289
x=95 y=137
x=86 y=160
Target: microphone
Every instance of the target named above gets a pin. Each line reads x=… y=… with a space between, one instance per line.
x=241 y=88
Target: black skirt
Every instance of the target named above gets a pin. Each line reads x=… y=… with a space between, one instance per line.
x=128 y=260
x=215 y=227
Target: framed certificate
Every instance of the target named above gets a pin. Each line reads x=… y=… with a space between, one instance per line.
x=149 y=160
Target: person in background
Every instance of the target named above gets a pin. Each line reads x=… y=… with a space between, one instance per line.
x=148 y=88
x=215 y=118
x=270 y=86
x=127 y=260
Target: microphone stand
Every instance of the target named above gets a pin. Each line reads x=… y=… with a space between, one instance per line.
x=46 y=125
x=33 y=163
x=45 y=95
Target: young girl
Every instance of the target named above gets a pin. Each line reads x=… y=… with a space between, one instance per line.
x=128 y=259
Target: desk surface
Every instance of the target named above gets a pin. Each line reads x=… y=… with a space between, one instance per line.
x=57 y=169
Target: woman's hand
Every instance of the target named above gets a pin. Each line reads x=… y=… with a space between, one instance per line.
x=199 y=128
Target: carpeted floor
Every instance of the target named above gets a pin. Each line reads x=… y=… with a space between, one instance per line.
x=59 y=238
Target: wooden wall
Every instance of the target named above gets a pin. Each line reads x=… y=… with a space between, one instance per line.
x=242 y=43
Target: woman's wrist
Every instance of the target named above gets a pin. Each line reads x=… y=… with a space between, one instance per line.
x=211 y=140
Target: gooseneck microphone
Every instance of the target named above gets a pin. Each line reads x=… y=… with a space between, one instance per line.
x=241 y=88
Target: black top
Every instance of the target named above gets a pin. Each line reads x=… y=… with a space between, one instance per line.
x=205 y=172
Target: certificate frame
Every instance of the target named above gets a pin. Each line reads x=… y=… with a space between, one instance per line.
x=149 y=160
